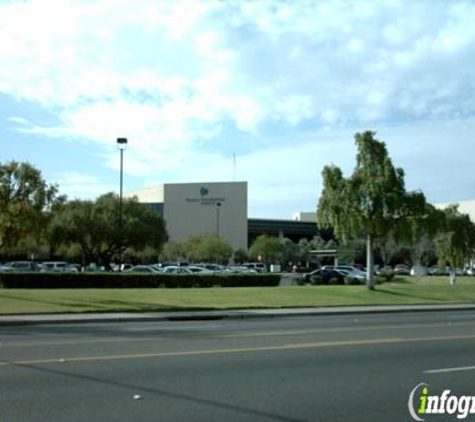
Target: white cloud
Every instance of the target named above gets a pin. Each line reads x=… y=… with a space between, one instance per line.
x=249 y=61
x=83 y=186
x=171 y=75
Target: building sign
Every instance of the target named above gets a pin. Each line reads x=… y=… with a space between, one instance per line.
x=205 y=199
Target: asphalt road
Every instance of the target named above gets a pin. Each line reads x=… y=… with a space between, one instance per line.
x=327 y=368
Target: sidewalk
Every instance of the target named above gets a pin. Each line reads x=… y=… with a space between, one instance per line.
x=8 y=320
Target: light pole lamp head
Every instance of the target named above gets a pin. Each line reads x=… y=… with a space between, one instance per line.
x=122 y=143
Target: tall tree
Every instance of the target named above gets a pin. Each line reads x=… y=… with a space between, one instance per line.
x=372 y=202
x=240 y=256
x=25 y=200
x=268 y=248
x=94 y=226
x=172 y=252
x=215 y=249
x=207 y=248
x=291 y=252
x=455 y=242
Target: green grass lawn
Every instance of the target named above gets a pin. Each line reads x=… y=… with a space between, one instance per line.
x=424 y=290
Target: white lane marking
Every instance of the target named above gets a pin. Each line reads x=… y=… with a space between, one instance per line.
x=444 y=370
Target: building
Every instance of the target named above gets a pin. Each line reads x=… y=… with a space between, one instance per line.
x=291 y=229
x=464 y=207
x=305 y=216
x=192 y=209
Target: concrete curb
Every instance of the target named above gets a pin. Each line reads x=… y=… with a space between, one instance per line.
x=14 y=320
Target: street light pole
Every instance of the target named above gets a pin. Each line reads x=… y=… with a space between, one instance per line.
x=218 y=205
x=121 y=145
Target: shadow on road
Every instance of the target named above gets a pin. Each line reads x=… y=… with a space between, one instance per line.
x=159 y=392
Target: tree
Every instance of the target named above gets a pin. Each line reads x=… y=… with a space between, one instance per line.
x=268 y=248
x=207 y=248
x=240 y=256
x=352 y=252
x=455 y=242
x=372 y=202
x=94 y=226
x=172 y=252
x=215 y=249
x=291 y=252
x=25 y=202
x=304 y=251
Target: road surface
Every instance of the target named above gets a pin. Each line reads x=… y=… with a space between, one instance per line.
x=326 y=368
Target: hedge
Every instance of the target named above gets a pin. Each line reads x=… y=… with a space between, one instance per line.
x=133 y=281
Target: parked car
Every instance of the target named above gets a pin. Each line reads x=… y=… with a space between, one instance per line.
x=258 y=266
x=240 y=269
x=435 y=270
x=419 y=271
x=94 y=268
x=23 y=266
x=4 y=268
x=348 y=268
x=175 y=269
x=199 y=270
x=142 y=269
x=324 y=275
x=55 y=267
x=355 y=274
x=307 y=276
x=215 y=268
x=401 y=269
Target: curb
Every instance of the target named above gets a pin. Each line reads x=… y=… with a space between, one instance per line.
x=16 y=320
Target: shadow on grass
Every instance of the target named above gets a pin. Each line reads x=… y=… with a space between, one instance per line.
x=410 y=295
x=104 y=305
x=43 y=301
x=113 y=305
x=401 y=280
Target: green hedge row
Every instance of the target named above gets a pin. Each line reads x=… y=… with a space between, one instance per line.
x=117 y=280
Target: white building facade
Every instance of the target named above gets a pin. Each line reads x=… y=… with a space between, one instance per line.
x=193 y=209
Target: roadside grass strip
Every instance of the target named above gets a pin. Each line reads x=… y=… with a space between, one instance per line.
x=427 y=290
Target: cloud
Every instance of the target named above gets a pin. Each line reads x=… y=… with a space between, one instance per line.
x=83 y=186
x=262 y=55
x=173 y=77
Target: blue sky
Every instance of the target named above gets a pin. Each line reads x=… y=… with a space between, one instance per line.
x=283 y=85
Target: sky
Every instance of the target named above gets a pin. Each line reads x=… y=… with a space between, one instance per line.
x=267 y=92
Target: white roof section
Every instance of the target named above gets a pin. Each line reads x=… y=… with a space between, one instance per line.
x=151 y=195
x=305 y=216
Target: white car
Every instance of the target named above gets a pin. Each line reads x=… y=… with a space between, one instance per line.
x=5 y=269
x=55 y=267
x=418 y=271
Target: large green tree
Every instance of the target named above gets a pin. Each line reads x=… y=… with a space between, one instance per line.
x=372 y=202
x=268 y=249
x=215 y=249
x=207 y=248
x=94 y=226
x=25 y=202
x=455 y=242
